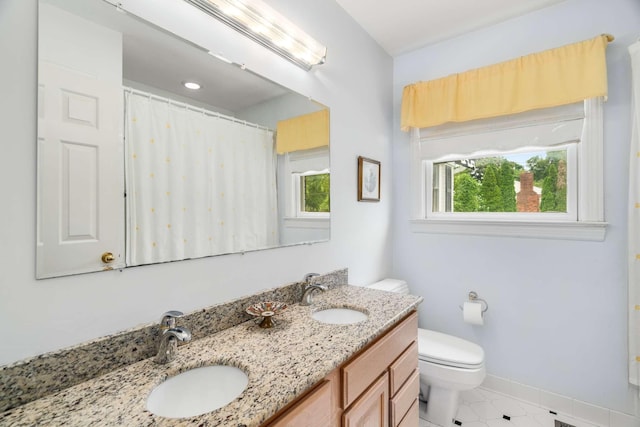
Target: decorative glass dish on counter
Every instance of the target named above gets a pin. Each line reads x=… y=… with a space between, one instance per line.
x=266 y=310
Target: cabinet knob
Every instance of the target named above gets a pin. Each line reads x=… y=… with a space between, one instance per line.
x=107 y=257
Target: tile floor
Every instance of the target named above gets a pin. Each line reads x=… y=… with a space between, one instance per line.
x=485 y=408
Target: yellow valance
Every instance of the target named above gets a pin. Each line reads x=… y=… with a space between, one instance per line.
x=303 y=132
x=553 y=77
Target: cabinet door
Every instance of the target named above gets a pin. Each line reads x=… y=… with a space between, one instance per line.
x=370 y=409
x=320 y=408
x=360 y=372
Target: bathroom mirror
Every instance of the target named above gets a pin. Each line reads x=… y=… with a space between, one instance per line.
x=135 y=168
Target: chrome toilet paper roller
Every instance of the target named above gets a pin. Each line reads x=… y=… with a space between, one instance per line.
x=474 y=309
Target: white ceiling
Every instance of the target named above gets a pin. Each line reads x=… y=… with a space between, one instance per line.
x=400 y=26
x=163 y=61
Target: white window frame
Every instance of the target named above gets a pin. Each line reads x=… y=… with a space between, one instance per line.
x=572 y=188
x=296 y=165
x=585 y=219
x=299 y=194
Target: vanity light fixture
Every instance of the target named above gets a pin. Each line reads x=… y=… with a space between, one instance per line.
x=259 y=22
x=192 y=85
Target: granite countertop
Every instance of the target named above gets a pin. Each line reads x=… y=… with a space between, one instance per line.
x=281 y=363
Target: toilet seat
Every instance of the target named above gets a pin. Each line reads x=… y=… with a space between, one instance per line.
x=447 y=350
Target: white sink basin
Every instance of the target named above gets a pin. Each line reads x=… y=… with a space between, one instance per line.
x=339 y=316
x=197 y=391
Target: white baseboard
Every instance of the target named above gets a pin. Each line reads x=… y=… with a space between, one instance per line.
x=564 y=405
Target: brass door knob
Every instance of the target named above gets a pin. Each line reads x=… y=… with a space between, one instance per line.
x=107 y=257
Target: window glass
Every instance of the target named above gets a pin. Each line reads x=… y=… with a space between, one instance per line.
x=315 y=193
x=527 y=182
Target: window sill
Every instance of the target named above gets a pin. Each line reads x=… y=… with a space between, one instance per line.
x=592 y=231
x=309 y=222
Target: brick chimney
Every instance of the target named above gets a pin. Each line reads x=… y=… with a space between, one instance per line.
x=527 y=200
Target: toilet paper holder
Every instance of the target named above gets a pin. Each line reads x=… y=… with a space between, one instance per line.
x=473 y=297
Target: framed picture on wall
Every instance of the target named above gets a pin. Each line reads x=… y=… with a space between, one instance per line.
x=368 y=180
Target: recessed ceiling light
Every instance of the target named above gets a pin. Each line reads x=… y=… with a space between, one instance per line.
x=191 y=85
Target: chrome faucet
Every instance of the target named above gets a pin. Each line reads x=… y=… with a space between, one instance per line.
x=310 y=289
x=170 y=335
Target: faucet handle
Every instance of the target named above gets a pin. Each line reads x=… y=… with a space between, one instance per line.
x=180 y=333
x=168 y=320
x=169 y=343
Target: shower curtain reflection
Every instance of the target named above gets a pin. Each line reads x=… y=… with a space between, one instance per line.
x=198 y=184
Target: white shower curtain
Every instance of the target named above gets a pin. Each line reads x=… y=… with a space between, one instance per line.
x=197 y=184
x=634 y=221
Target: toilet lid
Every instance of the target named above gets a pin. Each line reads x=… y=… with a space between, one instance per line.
x=448 y=350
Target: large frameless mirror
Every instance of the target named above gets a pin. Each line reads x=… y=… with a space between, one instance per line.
x=136 y=168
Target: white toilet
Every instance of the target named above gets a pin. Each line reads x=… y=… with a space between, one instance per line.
x=447 y=364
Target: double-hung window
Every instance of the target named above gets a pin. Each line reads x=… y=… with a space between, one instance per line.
x=532 y=174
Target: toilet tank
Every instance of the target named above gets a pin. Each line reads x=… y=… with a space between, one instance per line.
x=391 y=285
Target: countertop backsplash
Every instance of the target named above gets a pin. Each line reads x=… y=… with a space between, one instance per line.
x=33 y=378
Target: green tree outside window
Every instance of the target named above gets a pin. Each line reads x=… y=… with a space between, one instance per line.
x=316 y=193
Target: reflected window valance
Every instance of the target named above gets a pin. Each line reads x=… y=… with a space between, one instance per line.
x=553 y=77
x=303 y=132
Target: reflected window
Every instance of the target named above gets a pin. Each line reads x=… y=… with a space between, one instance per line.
x=307 y=180
x=313 y=193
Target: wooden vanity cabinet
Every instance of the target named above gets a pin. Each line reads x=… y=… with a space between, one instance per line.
x=377 y=387
x=395 y=356
x=402 y=403
x=371 y=409
x=405 y=388
x=320 y=407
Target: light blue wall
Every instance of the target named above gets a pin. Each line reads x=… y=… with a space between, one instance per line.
x=557 y=317
x=49 y=314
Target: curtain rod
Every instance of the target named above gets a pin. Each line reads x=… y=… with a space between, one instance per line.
x=194 y=108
